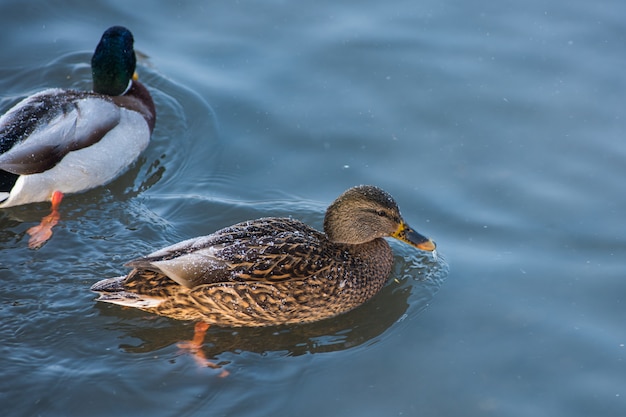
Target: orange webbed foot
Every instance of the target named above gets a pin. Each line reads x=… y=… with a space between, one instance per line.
x=43 y=231
x=194 y=346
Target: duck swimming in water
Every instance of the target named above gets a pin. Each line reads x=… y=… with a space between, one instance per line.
x=272 y=271
x=57 y=142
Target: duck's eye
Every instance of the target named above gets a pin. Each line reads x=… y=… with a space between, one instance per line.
x=381 y=213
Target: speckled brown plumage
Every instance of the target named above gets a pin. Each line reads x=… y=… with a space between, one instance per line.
x=271 y=270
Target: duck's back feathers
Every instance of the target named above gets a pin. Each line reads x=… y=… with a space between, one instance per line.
x=271 y=249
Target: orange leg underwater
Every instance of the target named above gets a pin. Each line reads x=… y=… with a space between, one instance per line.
x=194 y=346
x=43 y=231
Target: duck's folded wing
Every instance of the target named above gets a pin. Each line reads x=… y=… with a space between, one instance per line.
x=37 y=133
x=236 y=254
x=189 y=263
x=188 y=270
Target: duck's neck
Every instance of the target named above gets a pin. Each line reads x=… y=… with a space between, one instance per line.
x=138 y=99
x=376 y=257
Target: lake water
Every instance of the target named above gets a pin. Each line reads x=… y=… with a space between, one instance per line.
x=499 y=127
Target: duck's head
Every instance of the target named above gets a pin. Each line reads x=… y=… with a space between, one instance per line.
x=113 y=62
x=365 y=213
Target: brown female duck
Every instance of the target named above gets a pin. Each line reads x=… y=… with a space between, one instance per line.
x=272 y=270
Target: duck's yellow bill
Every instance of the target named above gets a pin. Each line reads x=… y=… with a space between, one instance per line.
x=406 y=234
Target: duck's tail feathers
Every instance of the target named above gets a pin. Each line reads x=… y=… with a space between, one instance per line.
x=112 y=290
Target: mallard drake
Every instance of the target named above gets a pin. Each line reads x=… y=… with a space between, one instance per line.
x=58 y=141
x=271 y=271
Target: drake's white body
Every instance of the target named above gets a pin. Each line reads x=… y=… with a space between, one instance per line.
x=88 y=164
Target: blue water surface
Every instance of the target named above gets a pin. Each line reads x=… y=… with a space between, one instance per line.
x=499 y=128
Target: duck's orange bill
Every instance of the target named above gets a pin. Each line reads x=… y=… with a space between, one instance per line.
x=406 y=234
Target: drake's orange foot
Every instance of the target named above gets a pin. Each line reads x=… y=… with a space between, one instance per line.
x=43 y=231
x=194 y=346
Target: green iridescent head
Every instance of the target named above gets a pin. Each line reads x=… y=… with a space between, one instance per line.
x=113 y=62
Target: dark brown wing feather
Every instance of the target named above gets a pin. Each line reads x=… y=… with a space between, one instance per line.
x=270 y=249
